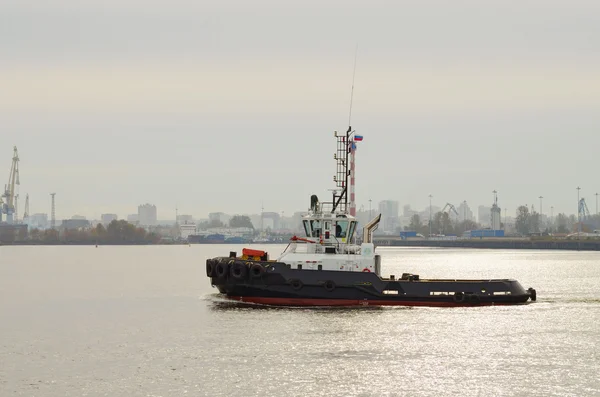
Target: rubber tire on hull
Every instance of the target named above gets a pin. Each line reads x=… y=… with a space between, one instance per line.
x=239 y=270
x=296 y=284
x=532 y=294
x=257 y=270
x=329 y=285
x=210 y=267
x=221 y=269
x=458 y=297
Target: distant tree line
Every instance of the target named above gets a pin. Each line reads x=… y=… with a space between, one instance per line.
x=530 y=222
x=527 y=222
x=117 y=232
x=234 y=222
x=441 y=223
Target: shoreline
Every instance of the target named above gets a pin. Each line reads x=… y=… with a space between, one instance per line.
x=38 y=243
x=496 y=243
x=30 y=243
x=499 y=243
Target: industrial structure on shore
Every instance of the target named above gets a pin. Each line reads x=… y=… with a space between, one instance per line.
x=9 y=219
x=10 y=222
x=434 y=223
x=8 y=202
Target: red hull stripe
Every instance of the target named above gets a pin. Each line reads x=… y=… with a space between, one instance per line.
x=353 y=302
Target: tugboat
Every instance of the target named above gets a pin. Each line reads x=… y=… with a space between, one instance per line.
x=329 y=267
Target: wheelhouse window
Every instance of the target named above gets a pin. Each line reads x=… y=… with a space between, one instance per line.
x=315 y=226
x=306 y=228
x=341 y=229
x=352 y=228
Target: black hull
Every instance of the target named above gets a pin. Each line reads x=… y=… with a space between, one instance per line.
x=275 y=283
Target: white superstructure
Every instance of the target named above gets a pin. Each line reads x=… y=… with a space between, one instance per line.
x=329 y=228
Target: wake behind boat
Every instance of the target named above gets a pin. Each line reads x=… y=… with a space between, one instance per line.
x=327 y=267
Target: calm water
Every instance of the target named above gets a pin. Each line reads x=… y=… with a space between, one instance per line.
x=144 y=321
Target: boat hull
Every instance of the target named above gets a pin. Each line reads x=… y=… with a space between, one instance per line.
x=274 y=283
x=291 y=302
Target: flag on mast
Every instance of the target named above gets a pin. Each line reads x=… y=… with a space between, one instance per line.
x=358 y=138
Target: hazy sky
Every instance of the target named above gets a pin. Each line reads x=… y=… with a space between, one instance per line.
x=224 y=105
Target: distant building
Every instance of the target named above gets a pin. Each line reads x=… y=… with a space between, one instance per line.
x=389 y=215
x=80 y=217
x=464 y=212
x=256 y=220
x=185 y=219
x=484 y=216
x=284 y=222
x=219 y=216
x=270 y=220
x=186 y=230
x=404 y=221
x=496 y=214
x=295 y=223
x=268 y=223
x=75 y=224
x=133 y=218
x=496 y=217
x=108 y=218
x=147 y=215
x=38 y=221
x=408 y=212
x=425 y=215
x=363 y=217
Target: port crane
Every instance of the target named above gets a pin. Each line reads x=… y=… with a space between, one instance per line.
x=8 y=206
x=450 y=208
x=585 y=221
x=584 y=213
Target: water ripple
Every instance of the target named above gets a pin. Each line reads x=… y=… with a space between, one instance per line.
x=144 y=321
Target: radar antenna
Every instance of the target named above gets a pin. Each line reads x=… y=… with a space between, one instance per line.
x=345 y=159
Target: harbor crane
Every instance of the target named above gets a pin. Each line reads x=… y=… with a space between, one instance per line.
x=585 y=222
x=584 y=213
x=8 y=206
x=443 y=223
x=450 y=208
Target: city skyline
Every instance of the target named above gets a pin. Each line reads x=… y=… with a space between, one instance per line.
x=160 y=215
x=228 y=106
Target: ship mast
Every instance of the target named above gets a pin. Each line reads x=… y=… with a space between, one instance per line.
x=352 y=178
x=342 y=157
x=345 y=161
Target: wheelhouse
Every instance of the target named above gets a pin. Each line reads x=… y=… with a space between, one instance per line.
x=335 y=229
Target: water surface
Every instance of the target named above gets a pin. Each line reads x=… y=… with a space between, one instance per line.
x=144 y=321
